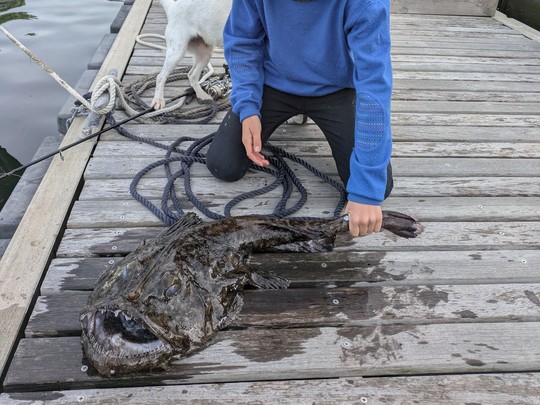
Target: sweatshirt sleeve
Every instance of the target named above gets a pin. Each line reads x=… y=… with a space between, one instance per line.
x=243 y=40
x=367 y=28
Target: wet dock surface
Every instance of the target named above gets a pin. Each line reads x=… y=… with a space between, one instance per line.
x=452 y=314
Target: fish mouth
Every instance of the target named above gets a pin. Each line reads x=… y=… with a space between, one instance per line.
x=117 y=342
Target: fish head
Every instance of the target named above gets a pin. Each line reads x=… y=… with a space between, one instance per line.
x=170 y=311
x=164 y=299
x=117 y=337
x=118 y=340
x=188 y=303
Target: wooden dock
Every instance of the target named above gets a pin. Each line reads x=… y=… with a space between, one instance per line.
x=451 y=317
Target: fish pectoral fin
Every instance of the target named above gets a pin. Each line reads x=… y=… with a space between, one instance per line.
x=268 y=280
x=325 y=244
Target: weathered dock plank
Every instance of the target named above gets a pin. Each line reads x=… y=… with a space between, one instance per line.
x=298 y=353
x=481 y=120
x=408 y=133
x=123 y=167
x=525 y=66
x=435 y=29
x=456 y=7
x=321 y=148
x=443 y=90
x=436 y=236
x=465 y=95
x=58 y=314
x=345 y=268
x=131 y=213
x=440 y=90
x=451 y=62
x=108 y=189
x=429 y=75
x=446 y=119
x=499 y=389
x=412 y=24
x=406 y=49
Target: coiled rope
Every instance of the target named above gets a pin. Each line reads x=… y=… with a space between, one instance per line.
x=171 y=210
x=172 y=114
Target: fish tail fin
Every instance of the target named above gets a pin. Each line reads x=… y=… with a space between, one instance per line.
x=401 y=224
x=268 y=280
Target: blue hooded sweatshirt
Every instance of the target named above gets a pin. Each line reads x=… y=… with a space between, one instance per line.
x=314 y=48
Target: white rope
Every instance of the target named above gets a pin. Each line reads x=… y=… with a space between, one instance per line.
x=139 y=40
x=115 y=89
x=107 y=83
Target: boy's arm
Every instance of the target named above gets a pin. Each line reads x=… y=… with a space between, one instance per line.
x=368 y=33
x=244 y=39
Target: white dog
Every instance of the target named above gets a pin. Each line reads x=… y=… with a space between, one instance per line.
x=194 y=26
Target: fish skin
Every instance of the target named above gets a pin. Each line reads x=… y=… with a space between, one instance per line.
x=173 y=293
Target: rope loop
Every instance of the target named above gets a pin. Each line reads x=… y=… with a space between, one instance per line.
x=110 y=84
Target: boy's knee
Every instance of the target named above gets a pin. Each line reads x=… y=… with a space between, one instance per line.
x=225 y=170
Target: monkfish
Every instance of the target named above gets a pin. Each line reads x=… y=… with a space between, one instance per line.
x=173 y=293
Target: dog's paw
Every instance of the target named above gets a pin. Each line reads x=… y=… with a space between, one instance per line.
x=158 y=103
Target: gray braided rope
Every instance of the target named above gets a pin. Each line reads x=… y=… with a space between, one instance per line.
x=171 y=209
x=178 y=113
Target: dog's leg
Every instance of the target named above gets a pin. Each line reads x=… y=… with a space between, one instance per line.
x=176 y=49
x=209 y=72
x=202 y=52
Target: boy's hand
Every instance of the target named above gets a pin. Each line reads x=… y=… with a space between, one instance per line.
x=251 y=138
x=363 y=218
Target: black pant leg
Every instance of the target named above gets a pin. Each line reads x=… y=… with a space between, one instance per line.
x=389 y=181
x=226 y=157
x=335 y=114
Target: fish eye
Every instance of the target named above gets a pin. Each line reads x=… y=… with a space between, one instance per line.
x=172 y=290
x=170 y=284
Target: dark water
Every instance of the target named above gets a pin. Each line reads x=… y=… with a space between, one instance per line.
x=65 y=35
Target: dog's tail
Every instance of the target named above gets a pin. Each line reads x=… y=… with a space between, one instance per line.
x=166 y=4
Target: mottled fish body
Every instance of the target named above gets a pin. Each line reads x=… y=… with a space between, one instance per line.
x=173 y=293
